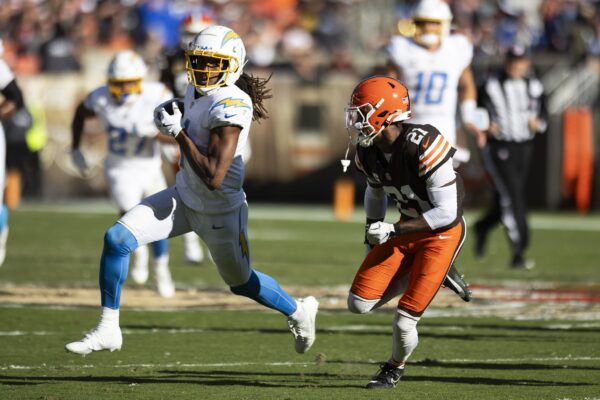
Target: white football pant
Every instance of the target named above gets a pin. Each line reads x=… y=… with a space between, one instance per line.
x=164 y=215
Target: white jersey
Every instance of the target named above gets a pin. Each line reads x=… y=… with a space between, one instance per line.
x=432 y=79
x=228 y=105
x=130 y=126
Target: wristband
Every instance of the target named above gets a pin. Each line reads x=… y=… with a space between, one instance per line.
x=467 y=110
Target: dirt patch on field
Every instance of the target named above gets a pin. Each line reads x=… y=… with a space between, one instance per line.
x=330 y=298
x=511 y=302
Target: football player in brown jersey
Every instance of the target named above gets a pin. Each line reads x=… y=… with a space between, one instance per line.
x=411 y=164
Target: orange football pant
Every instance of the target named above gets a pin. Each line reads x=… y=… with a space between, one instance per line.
x=425 y=256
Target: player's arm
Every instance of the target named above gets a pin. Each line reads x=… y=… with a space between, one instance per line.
x=375 y=209
x=81 y=114
x=213 y=166
x=442 y=193
x=375 y=204
x=375 y=199
x=468 y=103
x=77 y=157
x=13 y=100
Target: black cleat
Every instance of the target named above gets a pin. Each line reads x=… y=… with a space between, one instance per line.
x=387 y=377
x=520 y=262
x=457 y=284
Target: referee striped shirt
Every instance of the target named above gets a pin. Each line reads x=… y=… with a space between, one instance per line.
x=511 y=103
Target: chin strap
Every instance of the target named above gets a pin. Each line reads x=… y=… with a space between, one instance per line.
x=346 y=162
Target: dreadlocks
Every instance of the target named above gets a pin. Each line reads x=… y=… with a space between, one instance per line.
x=256 y=88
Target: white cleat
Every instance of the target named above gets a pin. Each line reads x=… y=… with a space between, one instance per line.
x=100 y=338
x=164 y=282
x=303 y=325
x=3 y=239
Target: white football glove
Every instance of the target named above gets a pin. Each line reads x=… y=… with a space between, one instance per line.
x=169 y=124
x=379 y=232
x=79 y=161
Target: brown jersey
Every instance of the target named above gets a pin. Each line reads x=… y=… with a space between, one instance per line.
x=418 y=152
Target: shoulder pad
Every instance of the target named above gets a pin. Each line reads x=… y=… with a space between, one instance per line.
x=433 y=150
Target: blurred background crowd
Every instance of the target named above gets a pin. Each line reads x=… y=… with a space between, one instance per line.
x=51 y=35
x=315 y=49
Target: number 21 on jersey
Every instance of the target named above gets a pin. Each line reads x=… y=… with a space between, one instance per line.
x=430 y=87
x=410 y=203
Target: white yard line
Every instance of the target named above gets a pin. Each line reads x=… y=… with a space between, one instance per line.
x=24 y=333
x=334 y=328
x=289 y=363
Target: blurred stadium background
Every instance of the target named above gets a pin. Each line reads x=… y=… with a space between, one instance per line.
x=527 y=334
x=316 y=51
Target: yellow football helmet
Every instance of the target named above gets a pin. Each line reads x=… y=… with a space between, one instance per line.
x=432 y=20
x=215 y=58
x=125 y=74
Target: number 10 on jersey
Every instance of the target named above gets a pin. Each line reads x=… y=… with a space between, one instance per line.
x=430 y=87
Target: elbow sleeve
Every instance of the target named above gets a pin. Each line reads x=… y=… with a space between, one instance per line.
x=375 y=203
x=443 y=196
x=444 y=212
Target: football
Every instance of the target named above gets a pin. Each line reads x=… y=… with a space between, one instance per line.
x=169 y=105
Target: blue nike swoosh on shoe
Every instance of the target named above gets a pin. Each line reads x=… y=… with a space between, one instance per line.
x=230 y=115
x=217 y=227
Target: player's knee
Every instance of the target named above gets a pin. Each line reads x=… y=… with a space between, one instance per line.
x=406 y=325
x=249 y=289
x=119 y=239
x=358 y=305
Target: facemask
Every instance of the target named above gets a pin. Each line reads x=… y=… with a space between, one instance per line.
x=429 y=39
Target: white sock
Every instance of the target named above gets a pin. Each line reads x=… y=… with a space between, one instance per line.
x=405 y=338
x=298 y=314
x=109 y=317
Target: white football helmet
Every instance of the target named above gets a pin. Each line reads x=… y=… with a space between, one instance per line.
x=125 y=74
x=191 y=26
x=436 y=11
x=215 y=58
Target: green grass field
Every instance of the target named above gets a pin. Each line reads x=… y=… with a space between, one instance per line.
x=234 y=354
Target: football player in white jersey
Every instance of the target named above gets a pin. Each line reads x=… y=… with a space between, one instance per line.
x=133 y=165
x=435 y=66
x=219 y=106
x=174 y=76
x=12 y=100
